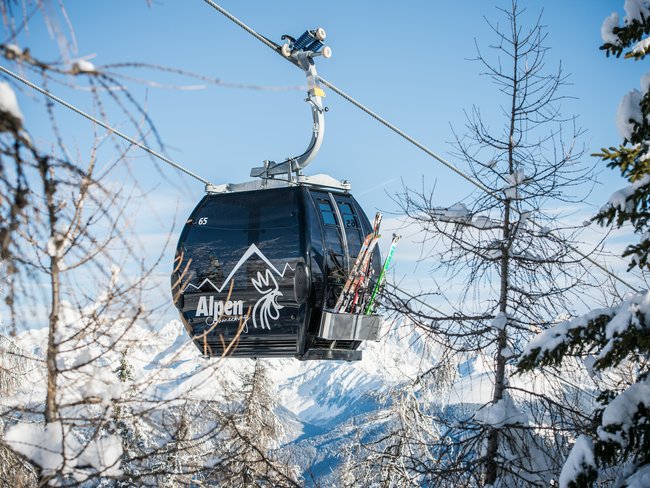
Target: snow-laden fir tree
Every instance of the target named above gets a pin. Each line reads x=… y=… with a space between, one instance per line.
x=514 y=264
x=615 y=342
x=630 y=205
x=248 y=452
x=395 y=444
x=14 y=362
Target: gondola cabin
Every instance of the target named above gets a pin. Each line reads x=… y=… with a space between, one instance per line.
x=258 y=273
x=261 y=266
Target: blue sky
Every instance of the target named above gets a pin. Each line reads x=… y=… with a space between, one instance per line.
x=408 y=61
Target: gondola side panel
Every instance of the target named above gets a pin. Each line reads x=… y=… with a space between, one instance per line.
x=238 y=256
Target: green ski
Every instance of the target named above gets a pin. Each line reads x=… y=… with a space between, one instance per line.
x=382 y=276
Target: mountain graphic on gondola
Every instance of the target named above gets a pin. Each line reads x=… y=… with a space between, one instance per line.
x=253 y=250
x=267 y=308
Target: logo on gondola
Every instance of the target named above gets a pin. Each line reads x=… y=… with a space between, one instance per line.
x=266 y=308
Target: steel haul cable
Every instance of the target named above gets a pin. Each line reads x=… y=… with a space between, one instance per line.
x=104 y=125
x=275 y=47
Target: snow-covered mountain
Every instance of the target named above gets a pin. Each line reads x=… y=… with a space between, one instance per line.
x=321 y=403
x=317 y=399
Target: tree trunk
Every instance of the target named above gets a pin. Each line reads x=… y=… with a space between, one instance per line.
x=491 y=467
x=51 y=408
x=49 y=186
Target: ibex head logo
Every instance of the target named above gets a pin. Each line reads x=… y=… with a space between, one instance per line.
x=266 y=307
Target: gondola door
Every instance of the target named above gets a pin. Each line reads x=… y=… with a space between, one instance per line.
x=343 y=227
x=336 y=257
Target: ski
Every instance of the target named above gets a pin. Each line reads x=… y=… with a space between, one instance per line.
x=351 y=283
x=350 y=300
x=382 y=275
x=367 y=243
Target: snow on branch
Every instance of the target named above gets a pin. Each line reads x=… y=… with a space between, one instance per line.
x=83 y=66
x=624 y=413
x=11 y=118
x=622 y=200
x=604 y=329
x=501 y=414
x=635 y=10
x=607 y=29
x=55 y=449
x=514 y=181
x=457 y=213
x=641 y=47
x=580 y=461
x=628 y=114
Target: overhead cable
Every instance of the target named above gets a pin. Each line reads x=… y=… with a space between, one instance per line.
x=104 y=125
x=275 y=47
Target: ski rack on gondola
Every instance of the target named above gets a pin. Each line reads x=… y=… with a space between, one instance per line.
x=353 y=316
x=349 y=320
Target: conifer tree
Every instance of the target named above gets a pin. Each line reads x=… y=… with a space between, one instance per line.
x=395 y=445
x=630 y=205
x=615 y=342
x=253 y=433
x=515 y=275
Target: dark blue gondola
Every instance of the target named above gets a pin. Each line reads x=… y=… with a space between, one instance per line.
x=259 y=266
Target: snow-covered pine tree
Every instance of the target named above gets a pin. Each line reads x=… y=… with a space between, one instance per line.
x=257 y=418
x=615 y=341
x=252 y=434
x=127 y=427
x=395 y=444
x=14 y=362
x=516 y=275
x=631 y=204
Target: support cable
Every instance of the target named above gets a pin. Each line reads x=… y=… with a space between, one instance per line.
x=404 y=135
x=252 y=32
x=408 y=138
x=104 y=125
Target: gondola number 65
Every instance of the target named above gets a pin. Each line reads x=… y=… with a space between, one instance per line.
x=203 y=220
